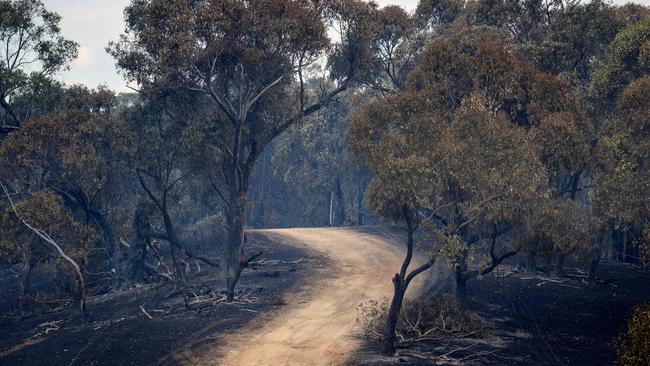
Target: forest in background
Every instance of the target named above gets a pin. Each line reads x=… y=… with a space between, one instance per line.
x=486 y=129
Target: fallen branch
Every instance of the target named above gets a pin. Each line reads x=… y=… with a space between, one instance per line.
x=145 y=312
x=545 y=279
x=273 y=262
x=250 y=310
x=447 y=358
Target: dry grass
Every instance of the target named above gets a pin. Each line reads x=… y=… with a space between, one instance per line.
x=437 y=331
x=419 y=321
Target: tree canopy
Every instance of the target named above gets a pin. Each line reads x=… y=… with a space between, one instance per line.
x=31 y=51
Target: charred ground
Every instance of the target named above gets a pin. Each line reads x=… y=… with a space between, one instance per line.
x=535 y=319
x=181 y=318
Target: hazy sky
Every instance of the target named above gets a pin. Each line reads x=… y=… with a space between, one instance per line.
x=93 y=23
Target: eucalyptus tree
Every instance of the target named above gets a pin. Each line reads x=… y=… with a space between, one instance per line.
x=620 y=89
x=31 y=51
x=434 y=15
x=77 y=151
x=163 y=127
x=158 y=123
x=41 y=230
x=466 y=156
x=249 y=59
x=574 y=41
x=396 y=44
x=314 y=164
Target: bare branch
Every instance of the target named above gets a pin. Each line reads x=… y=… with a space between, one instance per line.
x=48 y=239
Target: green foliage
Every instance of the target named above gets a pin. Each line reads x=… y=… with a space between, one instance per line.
x=172 y=153
x=45 y=211
x=166 y=39
x=247 y=61
x=80 y=153
x=312 y=158
x=473 y=147
x=575 y=35
x=31 y=50
x=633 y=346
x=558 y=225
x=443 y=135
x=627 y=61
x=67 y=151
x=437 y=13
x=622 y=85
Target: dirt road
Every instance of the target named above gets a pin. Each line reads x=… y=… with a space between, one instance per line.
x=317 y=330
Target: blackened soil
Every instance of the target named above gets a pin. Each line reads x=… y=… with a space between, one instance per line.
x=120 y=332
x=564 y=323
x=538 y=320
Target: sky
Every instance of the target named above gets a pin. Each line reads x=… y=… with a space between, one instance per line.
x=94 y=23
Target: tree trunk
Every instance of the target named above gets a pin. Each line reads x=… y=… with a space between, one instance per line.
x=401 y=281
x=548 y=264
x=80 y=295
x=234 y=250
x=388 y=344
x=461 y=289
x=609 y=242
x=174 y=243
x=340 y=204
x=258 y=218
x=531 y=263
x=624 y=253
x=108 y=238
x=138 y=252
x=359 y=203
x=595 y=261
x=330 y=219
x=461 y=276
x=558 y=269
x=260 y=222
x=179 y=272
x=25 y=277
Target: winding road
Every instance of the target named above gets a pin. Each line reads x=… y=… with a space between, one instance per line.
x=318 y=331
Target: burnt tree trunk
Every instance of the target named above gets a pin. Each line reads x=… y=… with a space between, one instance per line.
x=461 y=288
x=330 y=212
x=624 y=253
x=80 y=294
x=108 y=238
x=138 y=252
x=609 y=242
x=463 y=273
x=25 y=278
x=179 y=272
x=548 y=264
x=595 y=262
x=531 y=263
x=558 y=269
x=234 y=255
x=339 y=213
x=174 y=243
x=401 y=282
x=388 y=345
